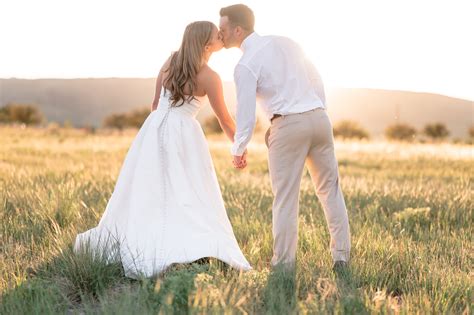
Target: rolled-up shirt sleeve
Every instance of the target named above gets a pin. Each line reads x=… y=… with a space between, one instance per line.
x=246 y=89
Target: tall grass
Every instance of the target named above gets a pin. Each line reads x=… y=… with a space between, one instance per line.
x=410 y=209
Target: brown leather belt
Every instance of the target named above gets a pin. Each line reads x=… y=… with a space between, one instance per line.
x=275 y=116
x=278 y=115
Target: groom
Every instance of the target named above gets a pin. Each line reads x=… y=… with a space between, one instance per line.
x=275 y=69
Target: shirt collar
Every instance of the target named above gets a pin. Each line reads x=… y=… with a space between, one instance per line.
x=249 y=41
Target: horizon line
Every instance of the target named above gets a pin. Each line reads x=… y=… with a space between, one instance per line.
x=231 y=81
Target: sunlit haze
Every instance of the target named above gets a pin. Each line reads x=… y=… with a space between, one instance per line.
x=402 y=45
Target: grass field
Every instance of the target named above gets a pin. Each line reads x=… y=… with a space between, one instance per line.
x=411 y=211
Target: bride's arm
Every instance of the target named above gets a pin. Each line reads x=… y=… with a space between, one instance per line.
x=213 y=87
x=159 y=84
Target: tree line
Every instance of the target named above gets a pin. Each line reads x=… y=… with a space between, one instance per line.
x=436 y=131
x=28 y=114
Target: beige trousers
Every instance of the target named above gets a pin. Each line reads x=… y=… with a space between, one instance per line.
x=292 y=140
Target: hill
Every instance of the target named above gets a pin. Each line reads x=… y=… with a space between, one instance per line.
x=88 y=101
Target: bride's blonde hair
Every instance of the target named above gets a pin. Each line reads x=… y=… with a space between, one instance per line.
x=187 y=61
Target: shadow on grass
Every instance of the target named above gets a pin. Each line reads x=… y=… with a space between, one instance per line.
x=291 y=292
x=63 y=282
x=280 y=293
x=87 y=282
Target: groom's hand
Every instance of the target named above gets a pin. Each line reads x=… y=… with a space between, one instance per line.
x=240 y=161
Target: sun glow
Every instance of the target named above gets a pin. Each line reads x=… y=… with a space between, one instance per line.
x=406 y=45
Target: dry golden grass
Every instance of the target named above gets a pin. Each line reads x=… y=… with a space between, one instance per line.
x=410 y=208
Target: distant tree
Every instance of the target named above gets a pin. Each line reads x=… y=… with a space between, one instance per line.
x=137 y=117
x=471 y=132
x=133 y=119
x=348 y=129
x=4 y=117
x=211 y=126
x=21 y=113
x=115 y=121
x=436 y=131
x=68 y=124
x=401 y=132
x=89 y=129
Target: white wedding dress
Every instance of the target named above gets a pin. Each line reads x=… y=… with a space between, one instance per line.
x=167 y=206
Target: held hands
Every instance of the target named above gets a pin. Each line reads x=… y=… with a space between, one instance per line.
x=240 y=162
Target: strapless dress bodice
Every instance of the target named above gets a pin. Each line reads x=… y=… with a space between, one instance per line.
x=188 y=108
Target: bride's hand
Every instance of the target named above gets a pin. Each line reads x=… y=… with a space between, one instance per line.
x=240 y=162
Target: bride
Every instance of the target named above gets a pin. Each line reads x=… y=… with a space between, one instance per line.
x=167 y=206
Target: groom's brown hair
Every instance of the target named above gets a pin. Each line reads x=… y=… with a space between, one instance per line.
x=239 y=15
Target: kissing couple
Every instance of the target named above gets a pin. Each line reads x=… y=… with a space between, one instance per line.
x=167 y=205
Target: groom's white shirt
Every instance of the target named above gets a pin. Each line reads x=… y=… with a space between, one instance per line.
x=274 y=69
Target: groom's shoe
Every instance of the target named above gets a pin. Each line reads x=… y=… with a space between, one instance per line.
x=341 y=268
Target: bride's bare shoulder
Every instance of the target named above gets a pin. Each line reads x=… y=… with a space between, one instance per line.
x=207 y=77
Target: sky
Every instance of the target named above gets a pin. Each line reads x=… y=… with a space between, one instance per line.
x=416 y=45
